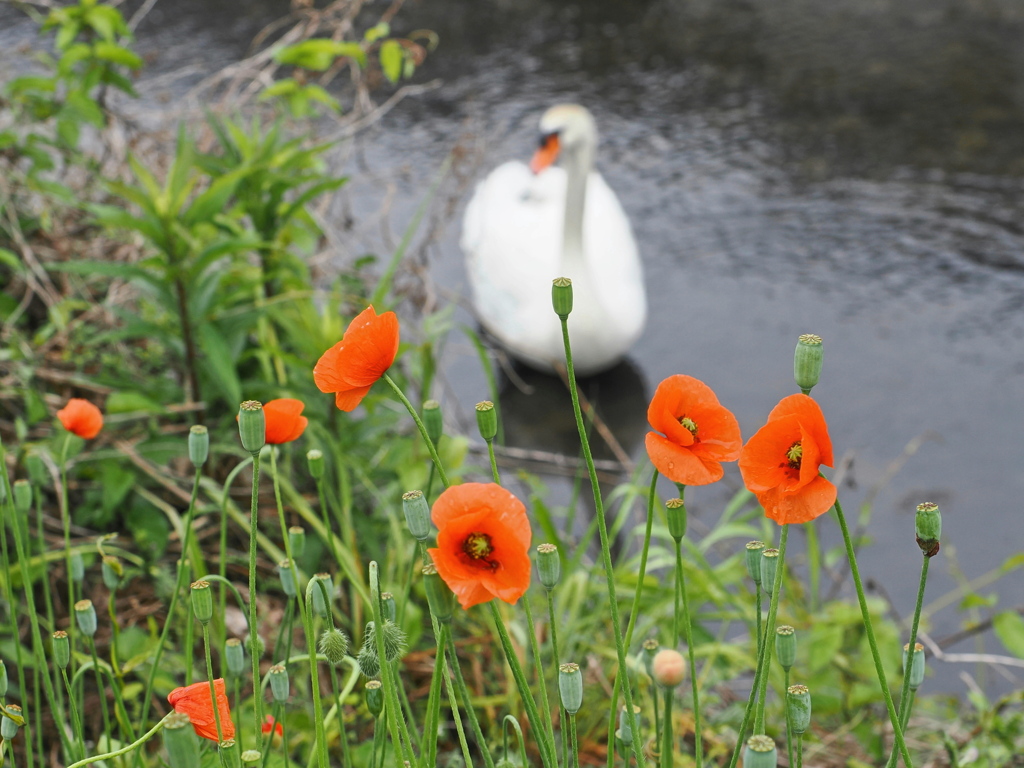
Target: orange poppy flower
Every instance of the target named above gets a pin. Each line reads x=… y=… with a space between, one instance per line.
x=483 y=543
x=780 y=462
x=283 y=419
x=353 y=365
x=698 y=432
x=269 y=725
x=81 y=417
x=194 y=701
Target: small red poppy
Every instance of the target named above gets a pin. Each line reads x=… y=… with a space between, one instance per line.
x=284 y=420
x=354 y=364
x=194 y=701
x=269 y=725
x=81 y=417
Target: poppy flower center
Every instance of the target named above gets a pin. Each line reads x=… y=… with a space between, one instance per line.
x=794 y=455
x=477 y=546
x=690 y=425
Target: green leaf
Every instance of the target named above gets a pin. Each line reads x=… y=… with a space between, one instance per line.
x=220 y=362
x=117 y=54
x=317 y=54
x=383 y=29
x=391 y=57
x=214 y=199
x=1009 y=627
x=131 y=402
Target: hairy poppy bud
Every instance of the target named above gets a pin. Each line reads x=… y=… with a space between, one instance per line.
x=668 y=668
x=321 y=604
x=252 y=426
x=807 y=362
x=625 y=733
x=279 y=685
x=928 y=526
x=85 y=615
x=374 y=697
x=433 y=420
x=315 y=463
x=22 y=496
x=297 y=540
x=486 y=420
x=798 y=700
x=760 y=752
x=785 y=646
x=769 y=565
x=61 y=652
x=417 y=514
x=234 y=656
x=753 y=559
x=439 y=596
x=112 y=572
x=334 y=645
x=367 y=658
x=181 y=741
x=202 y=601
x=570 y=686
x=284 y=572
x=549 y=565
x=916 y=665
x=77 y=567
x=198 y=445
x=676 y=511
x=9 y=726
x=561 y=296
x=394 y=640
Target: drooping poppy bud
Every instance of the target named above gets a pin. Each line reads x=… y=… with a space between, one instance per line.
x=561 y=296
x=807 y=362
x=334 y=645
x=320 y=604
x=570 y=686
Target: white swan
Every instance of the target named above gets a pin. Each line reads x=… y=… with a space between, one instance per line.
x=526 y=226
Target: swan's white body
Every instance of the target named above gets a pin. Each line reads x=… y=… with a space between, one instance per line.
x=522 y=230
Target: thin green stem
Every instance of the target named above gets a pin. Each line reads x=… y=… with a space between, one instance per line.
x=769 y=632
x=494 y=462
x=420 y=426
x=76 y=720
x=789 y=722
x=236 y=714
x=99 y=688
x=894 y=717
x=65 y=519
x=545 y=707
x=575 y=742
x=428 y=752
x=602 y=527
x=314 y=676
x=13 y=602
x=760 y=639
x=668 y=742
x=906 y=697
x=124 y=750
x=393 y=707
x=555 y=661
x=213 y=689
x=463 y=689
x=698 y=745
x=257 y=697
x=800 y=751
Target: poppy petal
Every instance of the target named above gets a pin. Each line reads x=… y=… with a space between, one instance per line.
x=679 y=464
x=284 y=424
x=349 y=399
x=762 y=460
x=810 y=502
x=81 y=418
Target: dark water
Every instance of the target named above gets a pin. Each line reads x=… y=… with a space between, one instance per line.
x=852 y=169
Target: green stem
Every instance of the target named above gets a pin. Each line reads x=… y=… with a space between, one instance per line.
x=314 y=676
x=905 y=693
x=800 y=751
x=99 y=689
x=393 y=707
x=699 y=749
x=419 y=425
x=760 y=639
x=789 y=722
x=545 y=707
x=575 y=742
x=429 y=739
x=668 y=743
x=813 y=564
x=882 y=682
x=555 y=661
x=124 y=750
x=494 y=462
x=765 y=661
x=463 y=689
x=257 y=697
x=213 y=688
x=222 y=560
x=76 y=721
x=236 y=714
x=65 y=519
x=605 y=548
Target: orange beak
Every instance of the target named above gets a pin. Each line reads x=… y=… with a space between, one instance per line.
x=546 y=153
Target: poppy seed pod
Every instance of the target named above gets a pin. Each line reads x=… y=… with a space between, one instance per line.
x=315 y=463
x=433 y=420
x=234 y=656
x=417 y=514
x=297 y=540
x=334 y=645
x=759 y=752
x=252 y=426
x=928 y=526
x=625 y=732
x=77 y=567
x=916 y=665
x=3 y=672
x=61 y=652
x=676 y=511
x=112 y=572
x=785 y=646
x=753 y=559
x=650 y=647
x=561 y=296
x=22 y=496
x=570 y=687
x=807 y=362
x=769 y=565
x=181 y=741
x=668 y=668
x=374 y=697
x=202 y=601
x=321 y=604
x=198 y=445
x=8 y=726
x=251 y=756
x=85 y=616
x=549 y=565
x=279 y=685
x=798 y=701
x=284 y=572
x=229 y=757
x=486 y=420
x=439 y=596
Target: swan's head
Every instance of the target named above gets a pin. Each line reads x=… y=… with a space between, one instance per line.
x=565 y=128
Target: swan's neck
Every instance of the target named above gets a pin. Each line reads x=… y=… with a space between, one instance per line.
x=577 y=164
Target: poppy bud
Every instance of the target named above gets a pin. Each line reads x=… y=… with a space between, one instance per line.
x=61 y=652
x=928 y=525
x=234 y=656
x=260 y=647
x=570 y=687
x=202 y=601
x=251 y=756
x=284 y=572
x=650 y=647
x=112 y=572
x=549 y=565
x=367 y=658
x=228 y=754
x=77 y=567
x=417 y=514
x=439 y=596
x=561 y=296
x=22 y=496
x=85 y=615
x=676 y=511
x=433 y=420
x=252 y=426
x=181 y=741
x=297 y=540
x=334 y=645
x=394 y=641
x=625 y=733
x=760 y=752
x=279 y=684
x=486 y=420
x=36 y=470
x=321 y=604
x=807 y=362
x=668 y=668
x=315 y=463
x=504 y=762
x=8 y=726
x=798 y=701
x=916 y=665
x=198 y=445
x=769 y=565
x=374 y=697
x=785 y=646
x=3 y=674
x=753 y=559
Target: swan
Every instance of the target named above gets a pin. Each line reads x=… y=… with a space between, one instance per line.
x=525 y=226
